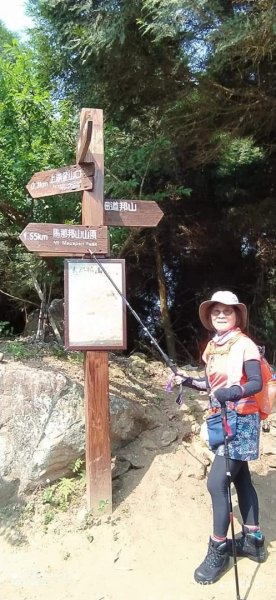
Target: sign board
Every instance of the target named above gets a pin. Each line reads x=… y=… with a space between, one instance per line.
x=62 y=238
x=132 y=213
x=94 y=312
x=61 y=181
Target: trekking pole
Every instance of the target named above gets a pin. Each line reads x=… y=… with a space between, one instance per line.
x=166 y=359
x=228 y=475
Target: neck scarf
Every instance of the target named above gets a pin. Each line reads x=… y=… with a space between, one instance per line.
x=224 y=337
x=235 y=356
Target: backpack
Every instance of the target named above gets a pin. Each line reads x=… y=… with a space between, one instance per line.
x=267 y=396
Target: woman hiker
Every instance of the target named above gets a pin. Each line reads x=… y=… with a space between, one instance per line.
x=231 y=355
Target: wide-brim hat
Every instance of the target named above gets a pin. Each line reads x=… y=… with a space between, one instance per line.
x=223 y=297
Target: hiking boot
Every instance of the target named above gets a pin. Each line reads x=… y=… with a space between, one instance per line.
x=250 y=544
x=215 y=562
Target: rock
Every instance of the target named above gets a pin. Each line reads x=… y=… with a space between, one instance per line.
x=195 y=428
x=121 y=466
x=138 y=363
x=128 y=419
x=138 y=356
x=186 y=428
x=197 y=404
x=135 y=454
x=199 y=472
x=42 y=427
x=175 y=474
x=272 y=422
x=1 y=356
x=268 y=444
x=168 y=436
x=82 y=516
x=201 y=452
x=16 y=537
x=161 y=437
x=271 y=461
x=148 y=443
x=8 y=490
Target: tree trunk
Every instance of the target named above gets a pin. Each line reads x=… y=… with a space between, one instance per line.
x=164 y=309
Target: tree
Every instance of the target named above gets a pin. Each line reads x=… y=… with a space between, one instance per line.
x=103 y=56
x=187 y=90
x=34 y=135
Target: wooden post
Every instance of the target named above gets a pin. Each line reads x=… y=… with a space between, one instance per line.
x=63 y=240
x=96 y=386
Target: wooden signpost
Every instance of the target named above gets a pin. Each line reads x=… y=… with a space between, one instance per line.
x=61 y=181
x=61 y=239
x=80 y=240
x=131 y=213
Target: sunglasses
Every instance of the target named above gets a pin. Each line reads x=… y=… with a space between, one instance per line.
x=227 y=312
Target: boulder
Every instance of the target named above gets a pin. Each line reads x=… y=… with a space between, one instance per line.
x=127 y=420
x=42 y=426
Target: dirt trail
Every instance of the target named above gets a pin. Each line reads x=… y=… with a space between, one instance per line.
x=147 y=550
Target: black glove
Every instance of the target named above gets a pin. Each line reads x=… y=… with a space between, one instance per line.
x=182 y=380
x=230 y=394
x=187 y=382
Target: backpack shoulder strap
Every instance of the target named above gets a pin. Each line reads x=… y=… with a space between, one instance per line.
x=208 y=349
x=212 y=348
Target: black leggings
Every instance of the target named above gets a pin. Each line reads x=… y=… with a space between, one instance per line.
x=247 y=496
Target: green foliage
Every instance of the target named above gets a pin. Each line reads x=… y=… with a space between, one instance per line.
x=163 y=20
x=6 y=329
x=35 y=134
x=187 y=90
x=20 y=350
x=105 y=58
x=248 y=36
x=78 y=465
x=134 y=157
x=103 y=504
x=237 y=153
x=60 y=494
x=117 y=236
x=76 y=356
x=6 y=37
x=269 y=319
x=30 y=133
x=59 y=352
x=49 y=516
x=17 y=269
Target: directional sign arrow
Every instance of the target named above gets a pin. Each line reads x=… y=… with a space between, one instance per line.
x=132 y=213
x=63 y=239
x=61 y=181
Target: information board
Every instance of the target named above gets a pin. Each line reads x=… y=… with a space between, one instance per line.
x=95 y=313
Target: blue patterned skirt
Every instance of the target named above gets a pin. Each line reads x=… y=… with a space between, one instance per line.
x=246 y=444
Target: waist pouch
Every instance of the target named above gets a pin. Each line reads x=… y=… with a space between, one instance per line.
x=215 y=430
